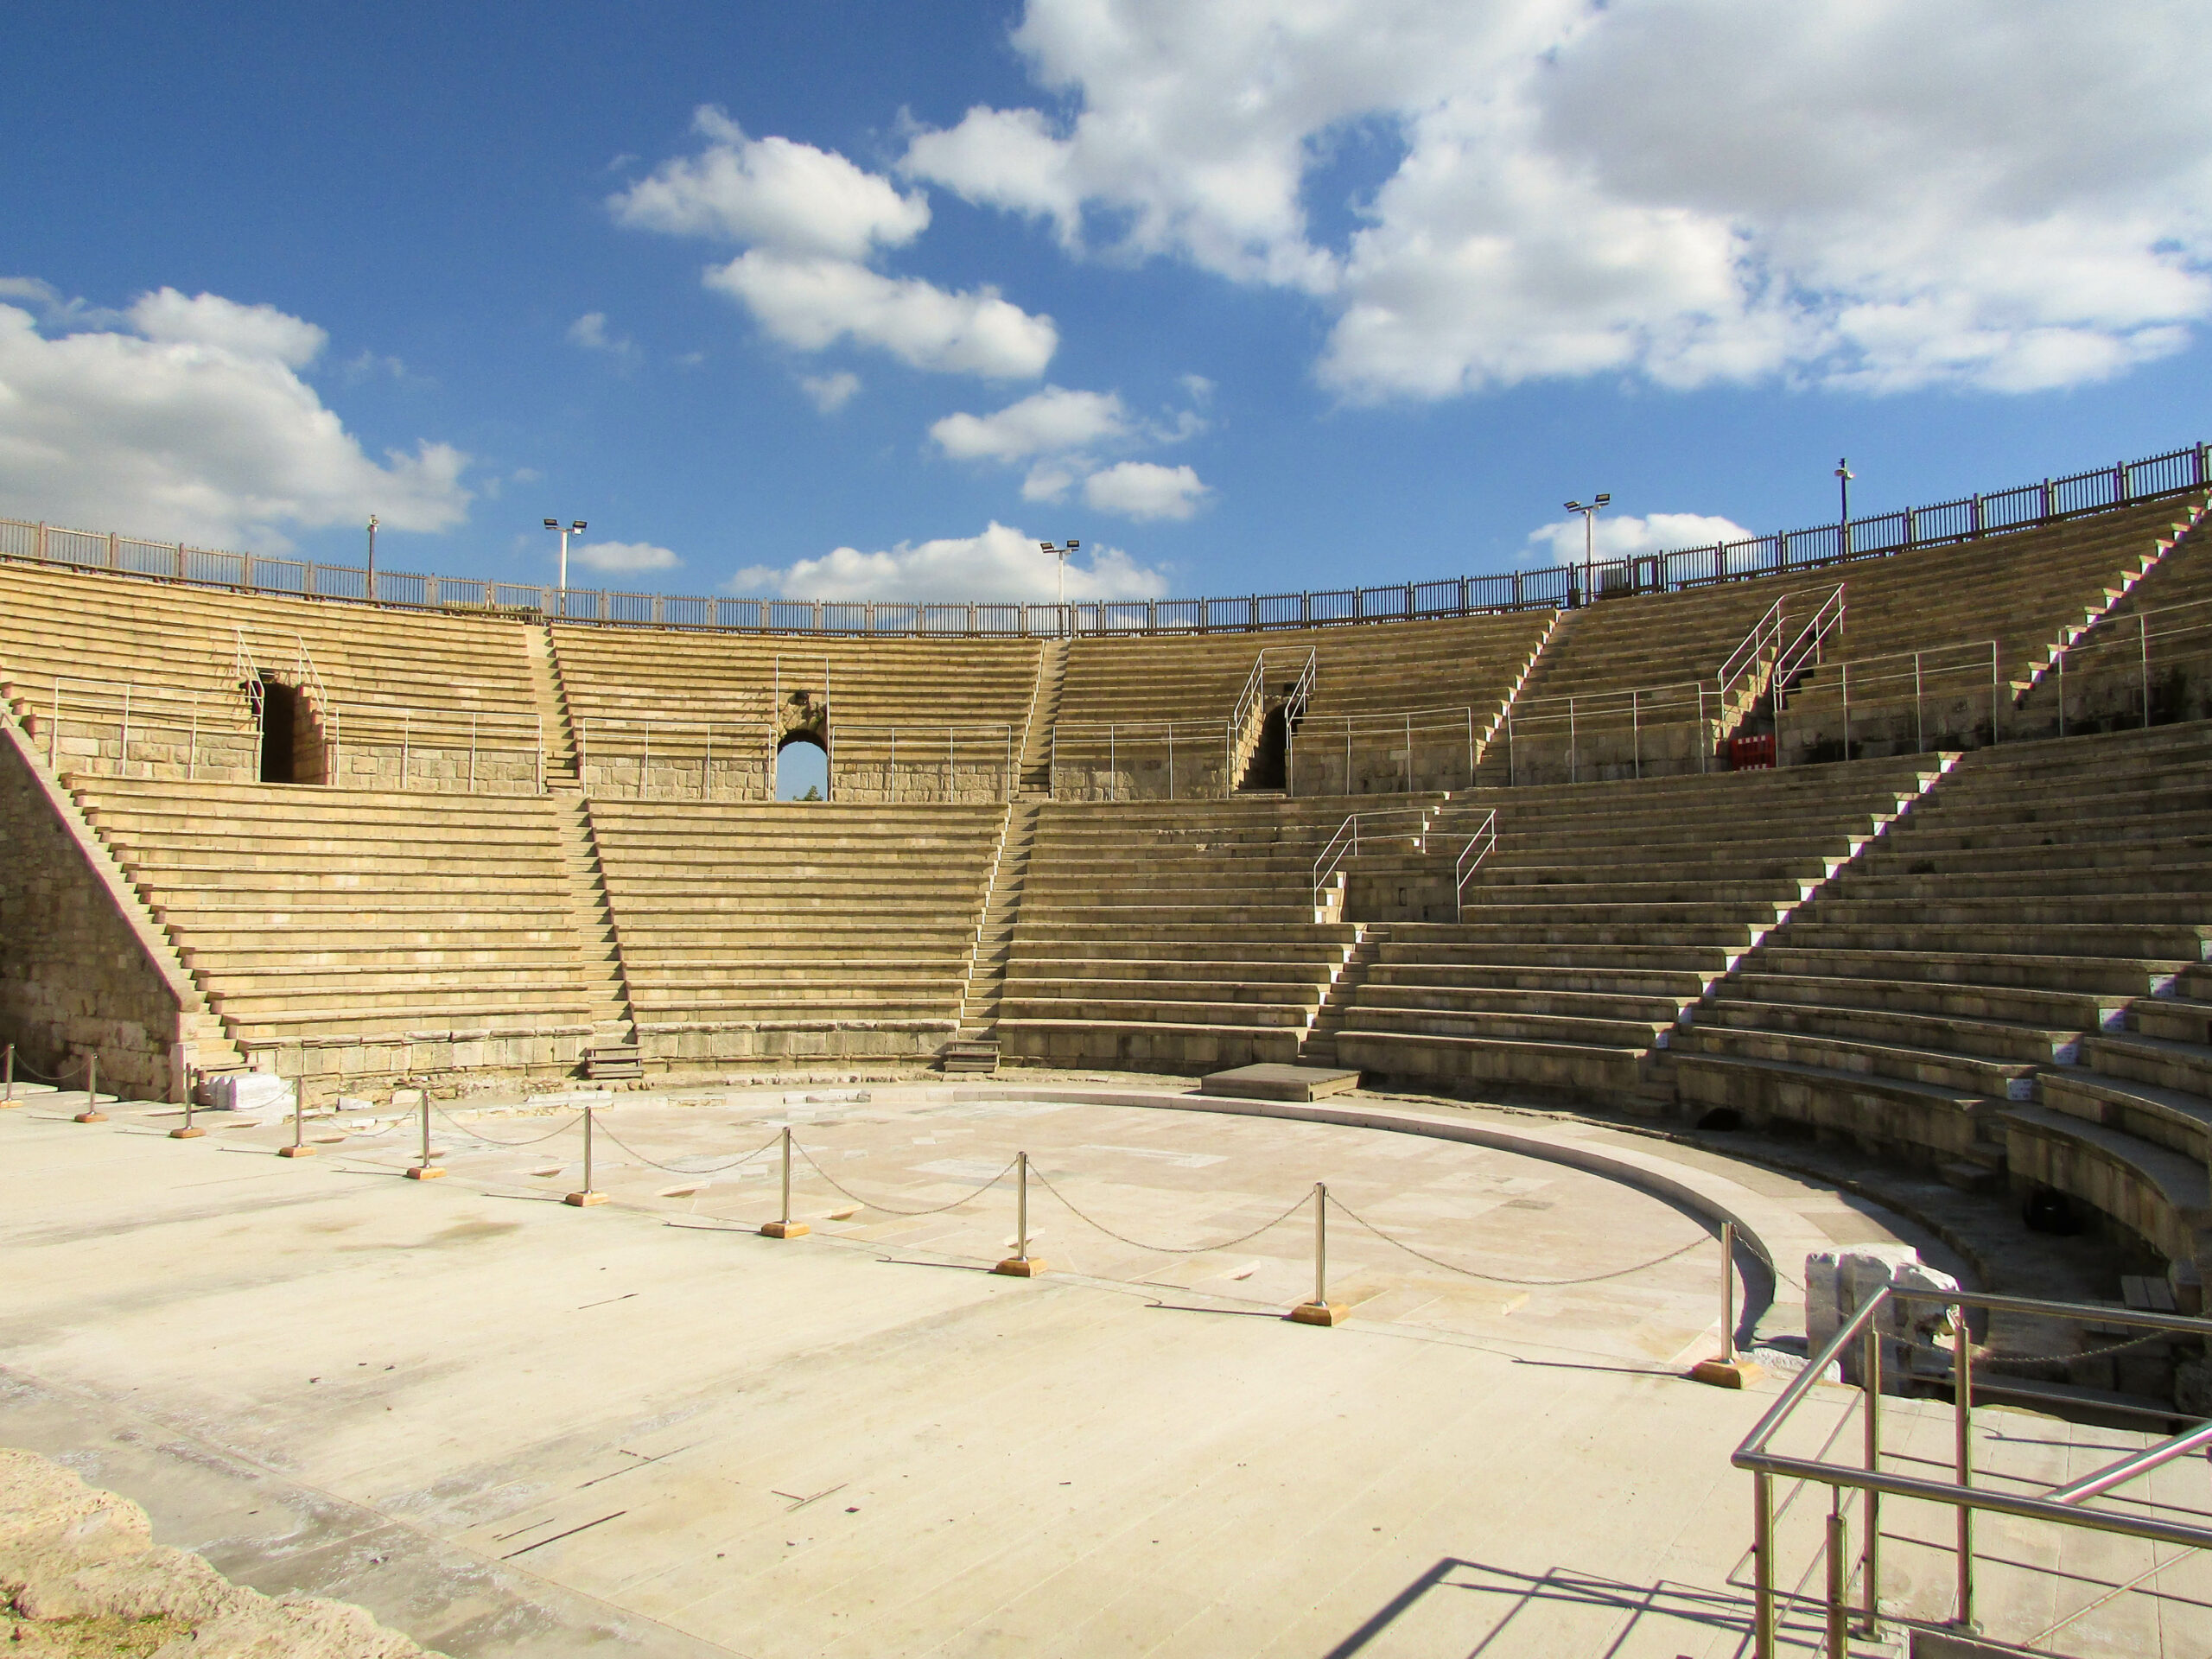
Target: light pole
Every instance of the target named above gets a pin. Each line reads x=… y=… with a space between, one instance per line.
x=372 y=558
x=565 y=531
x=1061 y=554
x=1843 y=477
x=1589 y=511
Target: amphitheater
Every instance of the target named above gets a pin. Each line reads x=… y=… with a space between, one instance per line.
x=1452 y=967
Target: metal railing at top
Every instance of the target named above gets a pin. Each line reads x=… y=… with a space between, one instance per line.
x=2066 y=1505
x=2097 y=489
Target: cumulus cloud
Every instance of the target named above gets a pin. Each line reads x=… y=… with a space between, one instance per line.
x=811 y=221
x=772 y=191
x=830 y=393
x=811 y=303
x=623 y=556
x=1052 y=419
x=1058 y=430
x=1984 y=194
x=1143 y=489
x=189 y=421
x=590 y=330
x=1625 y=535
x=1002 y=564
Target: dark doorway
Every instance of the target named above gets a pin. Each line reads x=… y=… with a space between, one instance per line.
x=280 y=717
x=1268 y=767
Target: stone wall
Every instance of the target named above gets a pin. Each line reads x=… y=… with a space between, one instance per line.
x=76 y=976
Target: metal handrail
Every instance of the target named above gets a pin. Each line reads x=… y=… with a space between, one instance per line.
x=1791 y=659
x=2064 y=1505
x=1463 y=871
x=1346 y=842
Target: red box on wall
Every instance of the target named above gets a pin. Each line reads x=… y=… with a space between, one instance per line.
x=1753 y=753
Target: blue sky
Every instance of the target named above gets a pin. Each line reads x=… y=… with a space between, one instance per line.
x=808 y=299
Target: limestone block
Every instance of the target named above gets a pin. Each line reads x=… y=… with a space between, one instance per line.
x=1839 y=1282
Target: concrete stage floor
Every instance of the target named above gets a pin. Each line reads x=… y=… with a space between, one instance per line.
x=512 y=1427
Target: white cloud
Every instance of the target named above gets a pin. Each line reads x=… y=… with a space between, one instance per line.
x=623 y=556
x=1625 y=536
x=1141 y=489
x=1046 y=422
x=244 y=331
x=810 y=220
x=1986 y=194
x=811 y=303
x=771 y=192
x=1000 y=564
x=830 y=393
x=590 y=330
x=197 y=427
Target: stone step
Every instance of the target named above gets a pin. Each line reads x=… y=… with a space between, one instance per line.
x=1962 y=1074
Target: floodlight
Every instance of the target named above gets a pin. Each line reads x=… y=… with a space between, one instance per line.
x=552 y=524
x=577 y=526
x=1047 y=549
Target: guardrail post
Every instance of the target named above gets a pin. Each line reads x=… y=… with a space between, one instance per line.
x=2142 y=634
x=1761 y=1564
x=1920 y=724
x=1839 y=1546
x=1871 y=1382
x=1171 y=762
x=1573 y=775
x=1636 y=728
x=1962 y=1440
x=1021 y=1264
x=589 y=1195
x=472 y=751
x=784 y=1226
x=91 y=1114
x=424 y=1170
x=1409 y=753
x=1845 y=670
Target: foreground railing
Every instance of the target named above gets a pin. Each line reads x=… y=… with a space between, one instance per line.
x=2063 y=1506
x=1963 y=519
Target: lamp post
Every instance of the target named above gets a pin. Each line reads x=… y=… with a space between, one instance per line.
x=565 y=531
x=1843 y=477
x=1589 y=511
x=372 y=558
x=1061 y=554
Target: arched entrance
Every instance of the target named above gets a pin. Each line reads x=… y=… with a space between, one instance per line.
x=802 y=769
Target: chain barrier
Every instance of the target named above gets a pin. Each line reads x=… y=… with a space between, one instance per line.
x=1990 y=1356
x=673 y=1169
x=22 y=1064
x=366 y=1134
x=871 y=1204
x=1507 y=1279
x=492 y=1139
x=1297 y=1204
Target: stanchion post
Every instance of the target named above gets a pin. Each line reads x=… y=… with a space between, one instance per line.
x=191 y=1131
x=1021 y=1264
x=785 y=1227
x=91 y=1114
x=1838 y=1607
x=1321 y=1310
x=1726 y=1371
x=588 y=1195
x=7 y=1079
x=424 y=1170
x=299 y=1148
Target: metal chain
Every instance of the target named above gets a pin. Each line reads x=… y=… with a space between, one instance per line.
x=870 y=1203
x=462 y=1129
x=1507 y=1279
x=22 y=1064
x=673 y=1169
x=2120 y=1347
x=1165 y=1250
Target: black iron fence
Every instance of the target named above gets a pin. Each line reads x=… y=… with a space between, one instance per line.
x=1546 y=588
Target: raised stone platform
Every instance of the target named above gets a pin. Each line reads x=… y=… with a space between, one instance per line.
x=1269 y=1082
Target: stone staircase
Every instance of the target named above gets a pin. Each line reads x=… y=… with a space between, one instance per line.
x=1319 y=1044
x=551 y=693
x=1036 y=773
x=613 y=1049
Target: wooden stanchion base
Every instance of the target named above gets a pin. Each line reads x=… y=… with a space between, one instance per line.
x=1320 y=1313
x=426 y=1172
x=585 y=1200
x=186 y=1135
x=89 y=1114
x=1021 y=1267
x=1726 y=1373
x=296 y=1152
x=785 y=1230
x=10 y=1105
